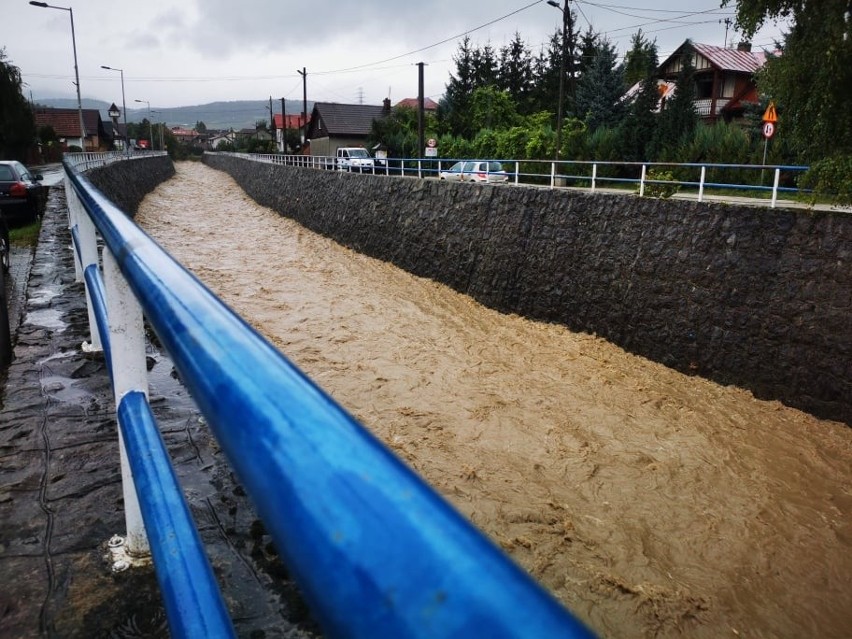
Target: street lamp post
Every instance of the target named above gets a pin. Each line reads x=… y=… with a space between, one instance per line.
x=70 y=11
x=124 y=106
x=160 y=125
x=150 y=126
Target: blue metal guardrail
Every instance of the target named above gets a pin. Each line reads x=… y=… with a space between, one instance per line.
x=566 y=173
x=376 y=551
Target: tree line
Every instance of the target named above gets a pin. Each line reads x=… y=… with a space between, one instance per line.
x=502 y=103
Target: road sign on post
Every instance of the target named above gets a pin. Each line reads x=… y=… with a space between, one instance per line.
x=770 y=115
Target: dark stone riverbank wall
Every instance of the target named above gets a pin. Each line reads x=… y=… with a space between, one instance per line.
x=750 y=296
x=127 y=183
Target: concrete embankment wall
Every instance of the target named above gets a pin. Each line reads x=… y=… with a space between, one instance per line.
x=755 y=297
x=127 y=183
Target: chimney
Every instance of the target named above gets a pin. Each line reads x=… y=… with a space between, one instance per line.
x=386 y=106
x=744 y=46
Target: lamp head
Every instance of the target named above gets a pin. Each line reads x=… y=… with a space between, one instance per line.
x=43 y=5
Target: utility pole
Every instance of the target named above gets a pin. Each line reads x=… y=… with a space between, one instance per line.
x=567 y=28
x=304 y=74
x=271 y=116
x=283 y=126
x=421 y=141
x=727 y=22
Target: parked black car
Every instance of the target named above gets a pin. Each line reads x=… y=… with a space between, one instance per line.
x=22 y=195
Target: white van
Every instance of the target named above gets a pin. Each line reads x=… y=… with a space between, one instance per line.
x=354 y=158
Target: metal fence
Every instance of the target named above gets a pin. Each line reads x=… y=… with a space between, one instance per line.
x=376 y=551
x=689 y=179
x=86 y=161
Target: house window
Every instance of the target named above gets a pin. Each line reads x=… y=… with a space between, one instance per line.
x=703 y=88
x=728 y=87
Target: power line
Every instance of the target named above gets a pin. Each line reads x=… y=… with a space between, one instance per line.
x=431 y=46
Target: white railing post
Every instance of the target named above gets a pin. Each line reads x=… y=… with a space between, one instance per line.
x=701 y=184
x=517 y=171
x=552 y=174
x=642 y=182
x=419 y=168
x=73 y=213
x=775 y=187
x=129 y=371
x=88 y=248
x=594 y=175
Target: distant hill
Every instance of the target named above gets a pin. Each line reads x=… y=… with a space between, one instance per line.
x=238 y=114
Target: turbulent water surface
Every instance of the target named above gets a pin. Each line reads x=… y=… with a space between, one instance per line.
x=651 y=503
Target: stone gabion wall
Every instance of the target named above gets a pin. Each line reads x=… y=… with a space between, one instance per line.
x=128 y=182
x=750 y=296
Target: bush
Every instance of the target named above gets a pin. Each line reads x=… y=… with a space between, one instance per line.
x=663 y=185
x=831 y=179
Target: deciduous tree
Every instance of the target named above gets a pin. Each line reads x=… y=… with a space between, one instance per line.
x=17 y=126
x=811 y=82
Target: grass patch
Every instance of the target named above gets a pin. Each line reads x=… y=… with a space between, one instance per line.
x=26 y=236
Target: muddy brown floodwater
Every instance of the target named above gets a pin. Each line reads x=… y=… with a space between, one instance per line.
x=651 y=503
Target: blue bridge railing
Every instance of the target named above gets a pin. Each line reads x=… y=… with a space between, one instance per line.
x=376 y=551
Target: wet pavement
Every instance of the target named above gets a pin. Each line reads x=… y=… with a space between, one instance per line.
x=60 y=483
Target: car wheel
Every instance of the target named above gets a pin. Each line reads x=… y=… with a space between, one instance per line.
x=4 y=251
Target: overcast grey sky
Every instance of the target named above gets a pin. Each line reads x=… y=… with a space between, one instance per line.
x=193 y=52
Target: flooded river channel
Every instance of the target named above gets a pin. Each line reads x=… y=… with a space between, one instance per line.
x=651 y=503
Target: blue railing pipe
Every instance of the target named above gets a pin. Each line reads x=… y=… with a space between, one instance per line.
x=375 y=550
x=97 y=298
x=194 y=607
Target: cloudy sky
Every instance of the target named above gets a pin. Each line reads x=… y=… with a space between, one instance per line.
x=193 y=51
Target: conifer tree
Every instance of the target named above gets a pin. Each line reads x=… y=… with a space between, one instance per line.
x=641 y=60
x=600 y=89
x=454 y=108
x=516 y=73
x=678 y=117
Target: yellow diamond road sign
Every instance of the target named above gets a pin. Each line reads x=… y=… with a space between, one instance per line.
x=770 y=115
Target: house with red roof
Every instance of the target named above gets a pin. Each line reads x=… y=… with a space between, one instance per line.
x=281 y=122
x=187 y=136
x=411 y=103
x=66 y=124
x=724 y=78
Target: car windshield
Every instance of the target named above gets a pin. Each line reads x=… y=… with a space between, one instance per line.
x=358 y=153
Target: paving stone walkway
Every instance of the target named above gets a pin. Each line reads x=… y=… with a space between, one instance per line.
x=60 y=482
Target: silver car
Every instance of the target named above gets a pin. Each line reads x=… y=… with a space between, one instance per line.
x=475 y=171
